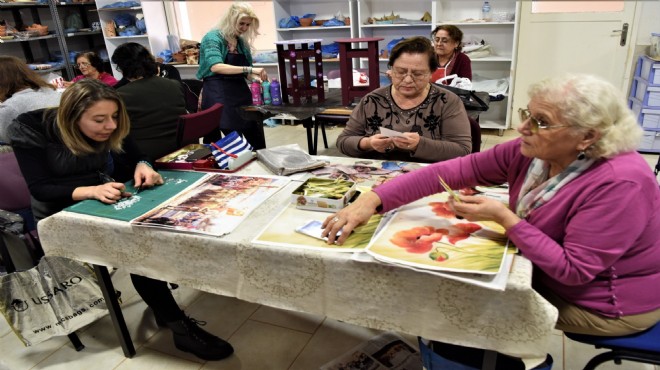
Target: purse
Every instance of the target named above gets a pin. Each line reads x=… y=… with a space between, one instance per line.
x=229 y=148
x=470 y=98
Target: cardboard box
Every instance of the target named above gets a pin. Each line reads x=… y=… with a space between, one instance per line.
x=178 y=160
x=325 y=195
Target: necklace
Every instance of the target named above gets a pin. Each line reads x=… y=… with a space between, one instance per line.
x=407 y=114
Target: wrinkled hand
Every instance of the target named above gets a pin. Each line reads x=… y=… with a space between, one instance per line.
x=481 y=208
x=350 y=217
x=380 y=143
x=145 y=176
x=409 y=142
x=110 y=192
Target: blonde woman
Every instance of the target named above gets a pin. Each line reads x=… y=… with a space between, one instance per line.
x=225 y=66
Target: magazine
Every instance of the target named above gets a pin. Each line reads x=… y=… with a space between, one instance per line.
x=383 y=352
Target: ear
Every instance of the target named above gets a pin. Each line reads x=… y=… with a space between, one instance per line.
x=589 y=138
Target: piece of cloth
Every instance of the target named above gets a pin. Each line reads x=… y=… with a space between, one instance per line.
x=461 y=65
x=595 y=244
x=154 y=105
x=440 y=120
x=53 y=172
x=230 y=90
x=24 y=101
x=104 y=77
x=538 y=189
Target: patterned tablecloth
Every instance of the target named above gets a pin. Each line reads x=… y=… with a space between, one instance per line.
x=517 y=321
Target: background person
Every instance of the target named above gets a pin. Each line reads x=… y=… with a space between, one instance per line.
x=433 y=121
x=65 y=156
x=21 y=90
x=583 y=204
x=225 y=62
x=154 y=104
x=447 y=41
x=91 y=66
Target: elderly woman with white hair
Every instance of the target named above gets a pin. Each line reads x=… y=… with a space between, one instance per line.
x=583 y=204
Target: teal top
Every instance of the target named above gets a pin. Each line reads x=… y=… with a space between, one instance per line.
x=213 y=50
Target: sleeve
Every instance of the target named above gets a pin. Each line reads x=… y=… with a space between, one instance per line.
x=212 y=50
x=7 y=115
x=349 y=139
x=29 y=147
x=456 y=140
x=589 y=247
x=464 y=68
x=108 y=79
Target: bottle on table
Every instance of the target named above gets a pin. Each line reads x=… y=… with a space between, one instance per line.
x=265 y=87
x=275 y=93
x=255 y=88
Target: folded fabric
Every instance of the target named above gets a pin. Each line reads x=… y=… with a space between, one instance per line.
x=287 y=159
x=228 y=148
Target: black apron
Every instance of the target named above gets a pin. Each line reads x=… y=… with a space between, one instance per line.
x=233 y=92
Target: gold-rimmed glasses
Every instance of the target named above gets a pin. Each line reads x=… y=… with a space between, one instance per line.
x=415 y=75
x=534 y=123
x=83 y=65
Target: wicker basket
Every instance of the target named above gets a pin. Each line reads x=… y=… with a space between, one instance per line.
x=37 y=29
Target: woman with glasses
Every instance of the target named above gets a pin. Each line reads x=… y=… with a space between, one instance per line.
x=431 y=123
x=447 y=42
x=91 y=66
x=583 y=204
x=68 y=155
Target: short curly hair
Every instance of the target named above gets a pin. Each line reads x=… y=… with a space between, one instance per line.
x=414 y=45
x=588 y=102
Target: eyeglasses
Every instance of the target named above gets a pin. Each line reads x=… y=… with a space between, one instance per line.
x=534 y=123
x=415 y=75
x=83 y=65
x=443 y=40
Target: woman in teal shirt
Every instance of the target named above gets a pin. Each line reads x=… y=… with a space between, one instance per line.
x=225 y=62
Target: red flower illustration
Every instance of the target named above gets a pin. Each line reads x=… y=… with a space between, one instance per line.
x=441 y=209
x=462 y=231
x=418 y=239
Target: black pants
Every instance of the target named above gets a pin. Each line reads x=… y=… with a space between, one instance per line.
x=157 y=295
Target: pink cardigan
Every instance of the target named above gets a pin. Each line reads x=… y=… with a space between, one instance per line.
x=104 y=77
x=596 y=243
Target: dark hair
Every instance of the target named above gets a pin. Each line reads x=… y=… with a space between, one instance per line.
x=454 y=32
x=93 y=58
x=134 y=61
x=414 y=45
x=15 y=76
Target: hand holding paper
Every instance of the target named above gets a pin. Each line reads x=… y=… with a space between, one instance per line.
x=390 y=133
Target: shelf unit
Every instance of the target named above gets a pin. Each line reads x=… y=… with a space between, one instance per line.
x=501 y=35
x=155 y=40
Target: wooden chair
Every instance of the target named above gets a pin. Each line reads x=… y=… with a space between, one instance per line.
x=641 y=347
x=193 y=126
x=475 y=131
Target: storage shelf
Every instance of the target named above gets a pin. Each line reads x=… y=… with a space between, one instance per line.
x=127 y=37
x=84 y=33
x=52 y=36
x=492 y=58
x=313 y=28
x=401 y=25
x=507 y=23
x=22 y=5
x=119 y=9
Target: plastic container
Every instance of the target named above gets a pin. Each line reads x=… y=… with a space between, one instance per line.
x=654 y=49
x=275 y=93
x=265 y=87
x=485 y=12
x=255 y=88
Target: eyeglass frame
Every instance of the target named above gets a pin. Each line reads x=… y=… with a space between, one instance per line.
x=534 y=123
x=410 y=73
x=83 y=64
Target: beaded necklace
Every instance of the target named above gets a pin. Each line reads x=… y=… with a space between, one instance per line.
x=407 y=114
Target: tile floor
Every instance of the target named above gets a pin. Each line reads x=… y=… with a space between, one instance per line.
x=264 y=338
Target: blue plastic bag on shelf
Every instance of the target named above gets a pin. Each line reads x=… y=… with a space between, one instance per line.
x=334 y=22
x=330 y=50
x=290 y=22
x=391 y=44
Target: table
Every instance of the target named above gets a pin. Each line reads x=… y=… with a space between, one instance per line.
x=517 y=322
x=313 y=115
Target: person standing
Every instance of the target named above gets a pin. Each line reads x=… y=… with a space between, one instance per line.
x=447 y=40
x=225 y=66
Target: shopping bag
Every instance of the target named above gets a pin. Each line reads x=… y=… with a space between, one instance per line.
x=229 y=148
x=55 y=298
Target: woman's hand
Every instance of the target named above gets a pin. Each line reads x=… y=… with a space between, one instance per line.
x=409 y=142
x=260 y=72
x=145 y=176
x=379 y=143
x=352 y=216
x=109 y=193
x=481 y=208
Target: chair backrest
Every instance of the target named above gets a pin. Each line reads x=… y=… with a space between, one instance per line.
x=475 y=131
x=192 y=126
x=192 y=91
x=13 y=183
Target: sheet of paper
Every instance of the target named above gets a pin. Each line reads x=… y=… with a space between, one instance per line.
x=390 y=133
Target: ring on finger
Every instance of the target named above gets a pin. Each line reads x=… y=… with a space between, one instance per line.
x=336 y=219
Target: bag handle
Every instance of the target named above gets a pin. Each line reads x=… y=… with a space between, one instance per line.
x=223 y=151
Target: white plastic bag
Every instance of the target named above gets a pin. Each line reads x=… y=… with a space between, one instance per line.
x=459 y=82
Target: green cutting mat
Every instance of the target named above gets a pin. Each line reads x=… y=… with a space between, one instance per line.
x=143 y=202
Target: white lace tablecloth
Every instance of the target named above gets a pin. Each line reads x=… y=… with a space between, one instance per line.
x=517 y=321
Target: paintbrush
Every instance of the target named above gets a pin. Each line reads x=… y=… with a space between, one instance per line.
x=448 y=190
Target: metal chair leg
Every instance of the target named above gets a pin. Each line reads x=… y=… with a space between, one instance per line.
x=77 y=344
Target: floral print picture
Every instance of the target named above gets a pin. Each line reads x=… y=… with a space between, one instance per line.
x=426 y=234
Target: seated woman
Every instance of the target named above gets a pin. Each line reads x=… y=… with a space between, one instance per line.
x=64 y=156
x=433 y=121
x=583 y=204
x=91 y=66
x=154 y=103
x=447 y=41
x=21 y=90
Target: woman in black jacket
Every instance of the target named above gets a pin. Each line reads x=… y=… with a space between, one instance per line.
x=66 y=155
